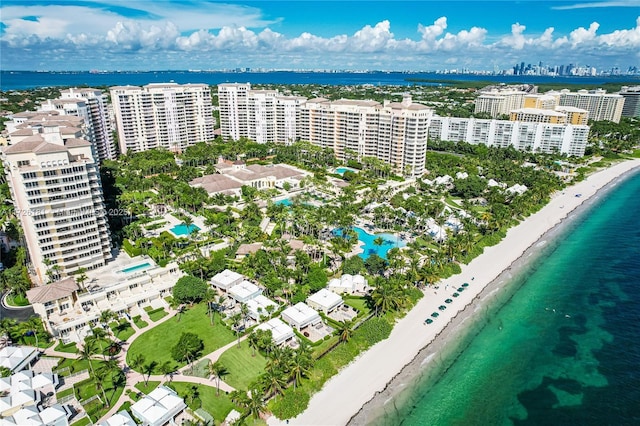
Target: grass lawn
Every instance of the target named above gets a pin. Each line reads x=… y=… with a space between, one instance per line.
x=64 y=393
x=96 y=409
x=139 y=322
x=156 y=343
x=83 y=421
x=70 y=348
x=242 y=366
x=151 y=385
x=75 y=365
x=155 y=316
x=360 y=304
x=218 y=406
x=122 y=330
x=16 y=300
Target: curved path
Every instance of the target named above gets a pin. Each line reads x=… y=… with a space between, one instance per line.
x=18 y=313
x=134 y=377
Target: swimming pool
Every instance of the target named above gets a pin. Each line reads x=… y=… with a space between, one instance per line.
x=389 y=241
x=182 y=229
x=341 y=170
x=284 y=202
x=134 y=268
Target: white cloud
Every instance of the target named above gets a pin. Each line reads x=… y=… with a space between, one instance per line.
x=165 y=31
x=599 y=4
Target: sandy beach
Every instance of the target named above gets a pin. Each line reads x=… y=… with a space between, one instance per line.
x=344 y=395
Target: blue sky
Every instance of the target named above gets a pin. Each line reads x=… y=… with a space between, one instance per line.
x=359 y=35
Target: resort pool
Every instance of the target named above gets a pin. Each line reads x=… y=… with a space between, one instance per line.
x=389 y=241
x=182 y=229
x=284 y=202
x=341 y=170
x=134 y=268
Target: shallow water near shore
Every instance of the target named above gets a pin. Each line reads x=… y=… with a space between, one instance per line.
x=557 y=343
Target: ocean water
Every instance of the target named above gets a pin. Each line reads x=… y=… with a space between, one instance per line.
x=561 y=346
x=19 y=80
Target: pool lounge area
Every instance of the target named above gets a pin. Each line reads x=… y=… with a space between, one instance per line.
x=389 y=241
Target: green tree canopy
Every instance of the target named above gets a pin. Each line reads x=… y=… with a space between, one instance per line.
x=188 y=347
x=189 y=289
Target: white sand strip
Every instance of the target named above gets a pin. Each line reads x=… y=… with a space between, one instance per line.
x=344 y=394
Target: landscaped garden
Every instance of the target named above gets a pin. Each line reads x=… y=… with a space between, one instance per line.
x=156 y=344
x=243 y=364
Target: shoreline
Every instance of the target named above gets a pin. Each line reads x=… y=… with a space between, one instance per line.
x=369 y=378
x=375 y=410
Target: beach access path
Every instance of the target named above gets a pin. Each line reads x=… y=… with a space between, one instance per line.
x=345 y=393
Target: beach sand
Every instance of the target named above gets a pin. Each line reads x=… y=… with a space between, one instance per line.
x=369 y=374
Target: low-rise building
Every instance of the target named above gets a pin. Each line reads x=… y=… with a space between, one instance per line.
x=244 y=291
x=258 y=307
x=69 y=314
x=301 y=315
x=348 y=283
x=325 y=301
x=121 y=418
x=280 y=332
x=226 y=279
x=159 y=407
x=16 y=358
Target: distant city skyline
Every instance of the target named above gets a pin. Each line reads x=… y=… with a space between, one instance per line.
x=354 y=35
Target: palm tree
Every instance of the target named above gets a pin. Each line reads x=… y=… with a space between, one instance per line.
x=235 y=321
x=253 y=342
x=97 y=335
x=274 y=381
x=98 y=379
x=167 y=368
x=148 y=369
x=217 y=370
x=254 y=404
x=137 y=361
x=87 y=351
x=31 y=327
x=299 y=365
x=105 y=318
x=345 y=331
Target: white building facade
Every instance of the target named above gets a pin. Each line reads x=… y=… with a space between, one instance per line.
x=526 y=136
x=57 y=193
x=162 y=115
x=394 y=132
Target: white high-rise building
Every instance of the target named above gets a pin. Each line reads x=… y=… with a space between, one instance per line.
x=162 y=115
x=57 y=193
x=526 y=136
x=260 y=115
x=395 y=133
x=600 y=104
x=499 y=102
x=88 y=104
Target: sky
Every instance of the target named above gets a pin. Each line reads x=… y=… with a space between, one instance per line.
x=69 y=35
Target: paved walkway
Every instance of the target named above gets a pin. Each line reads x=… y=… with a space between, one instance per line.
x=134 y=377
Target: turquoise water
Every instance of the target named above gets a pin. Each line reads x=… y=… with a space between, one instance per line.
x=182 y=229
x=284 y=202
x=390 y=241
x=134 y=268
x=341 y=170
x=559 y=346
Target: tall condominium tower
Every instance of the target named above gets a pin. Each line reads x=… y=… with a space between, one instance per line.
x=162 y=115
x=394 y=132
x=91 y=105
x=600 y=104
x=631 y=97
x=260 y=115
x=57 y=193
